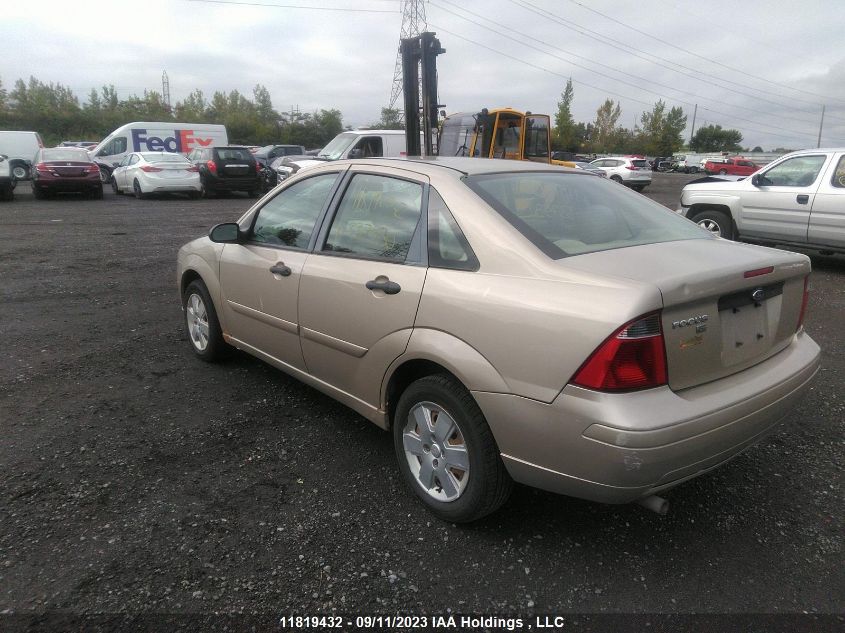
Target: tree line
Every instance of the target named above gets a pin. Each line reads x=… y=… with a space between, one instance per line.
x=658 y=133
x=55 y=112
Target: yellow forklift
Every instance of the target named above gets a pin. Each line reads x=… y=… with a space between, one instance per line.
x=498 y=133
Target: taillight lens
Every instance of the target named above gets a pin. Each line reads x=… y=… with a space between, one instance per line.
x=633 y=357
x=42 y=167
x=150 y=168
x=212 y=166
x=92 y=169
x=804 y=303
x=632 y=168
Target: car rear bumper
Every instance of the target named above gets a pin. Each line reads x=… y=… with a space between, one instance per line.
x=249 y=183
x=617 y=448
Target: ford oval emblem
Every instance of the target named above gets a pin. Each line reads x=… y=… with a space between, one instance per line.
x=758 y=295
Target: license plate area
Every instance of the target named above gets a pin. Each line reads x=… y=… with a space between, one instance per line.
x=748 y=322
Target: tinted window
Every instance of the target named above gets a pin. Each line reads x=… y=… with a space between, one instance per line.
x=288 y=219
x=570 y=213
x=800 y=171
x=376 y=218
x=134 y=159
x=235 y=154
x=839 y=174
x=447 y=246
x=639 y=163
x=65 y=154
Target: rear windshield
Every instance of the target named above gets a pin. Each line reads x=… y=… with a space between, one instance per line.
x=571 y=214
x=639 y=163
x=234 y=154
x=164 y=158
x=61 y=153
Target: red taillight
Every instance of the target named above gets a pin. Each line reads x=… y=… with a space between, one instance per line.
x=192 y=168
x=212 y=166
x=42 y=167
x=804 y=302
x=91 y=169
x=632 y=168
x=150 y=168
x=633 y=357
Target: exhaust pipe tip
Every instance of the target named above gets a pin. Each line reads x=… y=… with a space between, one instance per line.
x=655 y=504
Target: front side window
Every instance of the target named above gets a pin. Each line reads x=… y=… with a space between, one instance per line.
x=337 y=146
x=800 y=171
x=288 y=219
x=376 y=218
x=571 y=214
x=537 y=138
x=119 y=145
x=839 y=173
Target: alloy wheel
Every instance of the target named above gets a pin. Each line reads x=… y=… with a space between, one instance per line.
x=197 y=317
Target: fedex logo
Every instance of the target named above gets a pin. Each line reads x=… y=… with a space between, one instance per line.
x=182 y=142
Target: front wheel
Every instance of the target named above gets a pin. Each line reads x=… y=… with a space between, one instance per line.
x=716 y=222
x=105 y=174
x=115 y=188
x=616 y=178
x=203 y=327
x=723 y=172
x=446 y=451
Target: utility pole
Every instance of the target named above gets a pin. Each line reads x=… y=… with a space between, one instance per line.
x=692 y=129
x=821 y=123
x=413 y=23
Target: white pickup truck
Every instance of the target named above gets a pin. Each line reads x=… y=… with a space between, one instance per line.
x=797 y=200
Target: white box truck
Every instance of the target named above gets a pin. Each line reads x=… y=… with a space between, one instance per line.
x=155 y=136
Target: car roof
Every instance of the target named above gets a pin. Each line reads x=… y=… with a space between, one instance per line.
x=461 y=166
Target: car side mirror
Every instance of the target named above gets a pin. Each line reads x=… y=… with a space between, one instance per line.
x=755 y=180
x=226 y=233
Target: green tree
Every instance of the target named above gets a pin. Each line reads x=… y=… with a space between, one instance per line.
x=391 y=119
x=192 y=108
x=3 y=97
x=605 y=136
x=661 y=132
x=566 y=132
x=712 y=138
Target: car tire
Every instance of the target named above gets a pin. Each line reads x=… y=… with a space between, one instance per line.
x=205 y=192
x=97 y=194
x=616 y=178
x=693 y=170
x=194 y=195
x=115 y=188
x=136 y=188
x=202 y=325
x=477 y=482
x=638 y=188
x=20 y=172
x=716 y=222
x=723 y=172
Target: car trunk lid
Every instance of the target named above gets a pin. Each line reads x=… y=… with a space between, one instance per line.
x=726 y=306
x=69 y=169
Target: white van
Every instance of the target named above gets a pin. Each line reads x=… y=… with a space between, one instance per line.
x=366 y=144
x=155 y=136
x=20 y=149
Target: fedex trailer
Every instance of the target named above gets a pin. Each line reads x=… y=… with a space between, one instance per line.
x=155 y=136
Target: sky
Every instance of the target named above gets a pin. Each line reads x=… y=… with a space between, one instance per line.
x=765 y=68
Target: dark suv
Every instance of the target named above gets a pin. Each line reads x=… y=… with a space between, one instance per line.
x=227 y=169
x=267 y=154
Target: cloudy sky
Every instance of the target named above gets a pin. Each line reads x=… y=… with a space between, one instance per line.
x=764 y=67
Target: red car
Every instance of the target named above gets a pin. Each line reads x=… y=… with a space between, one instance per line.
x=65 y=169
x=736 y=166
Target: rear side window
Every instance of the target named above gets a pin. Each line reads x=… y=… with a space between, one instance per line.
x=571 y=214
x=288 y=219
x=376 y=218
x=447 y=246
x=839 y=174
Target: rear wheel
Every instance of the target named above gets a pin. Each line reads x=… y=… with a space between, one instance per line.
x=717 y=222
x=97 y=193
x=193 y=195
x=723 y=172
x=201 y=321
x=446 y=451
x=19 y=171
x=136 y=187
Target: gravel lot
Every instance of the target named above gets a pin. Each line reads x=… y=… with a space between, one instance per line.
x=136 y=478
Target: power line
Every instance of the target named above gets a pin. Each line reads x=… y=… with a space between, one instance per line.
x=709 y=60
x=790 y=136
x=627 y=48
x=611 y=68
x=293 y=6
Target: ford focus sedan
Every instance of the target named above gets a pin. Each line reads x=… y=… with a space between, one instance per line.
x=509 y=321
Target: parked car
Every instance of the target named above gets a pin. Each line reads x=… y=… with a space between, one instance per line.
x=65 y=170
x=82 y=144
x=509 y=322
x=143 y=173
x=284 y=166
x=684 y=165
x=633 y=172
x=8 y=182
x=20 y=147
x=736 y=166
x=227 y=168
x=269 y=153
x=796 y=200
x=590 y=168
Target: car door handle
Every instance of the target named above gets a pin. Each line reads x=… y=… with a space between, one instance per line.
x=387 y=287
x=803 y=198
x=280 y=269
